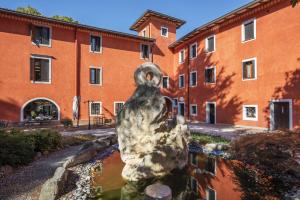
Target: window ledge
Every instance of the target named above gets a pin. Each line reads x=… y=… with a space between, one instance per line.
x=249 y=79
x=40 y=82
x=41 y=45
x=245 y=41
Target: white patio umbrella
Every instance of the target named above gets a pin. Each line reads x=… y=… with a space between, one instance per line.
x=76 y=100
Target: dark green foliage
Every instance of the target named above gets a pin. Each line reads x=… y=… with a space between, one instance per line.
x=19 y=148
x=46 y=140
x=16 y=148
x=65 y=18
x=66 y=122
x=294 y=2
x=29 y=10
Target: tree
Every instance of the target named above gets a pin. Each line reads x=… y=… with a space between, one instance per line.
x=29 y=10
x=294 y=2
x=64 y=18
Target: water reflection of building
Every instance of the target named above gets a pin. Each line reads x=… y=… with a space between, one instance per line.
x=212 y=177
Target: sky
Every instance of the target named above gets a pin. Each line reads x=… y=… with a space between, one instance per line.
x=119 y=15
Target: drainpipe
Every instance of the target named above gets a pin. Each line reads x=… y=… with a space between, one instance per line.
x=188 y=85
x=77 y=73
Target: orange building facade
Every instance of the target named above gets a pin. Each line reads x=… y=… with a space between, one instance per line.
x=242 y=68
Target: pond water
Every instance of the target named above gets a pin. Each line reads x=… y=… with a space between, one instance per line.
x=205 y=177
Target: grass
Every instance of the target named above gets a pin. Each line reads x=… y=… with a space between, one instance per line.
x=205 y=139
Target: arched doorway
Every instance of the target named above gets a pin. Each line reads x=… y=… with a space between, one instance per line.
x=169 y=103
x=40 y=109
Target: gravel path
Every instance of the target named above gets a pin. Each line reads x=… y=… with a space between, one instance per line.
x=26 y=182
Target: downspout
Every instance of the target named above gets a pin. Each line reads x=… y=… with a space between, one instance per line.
x=188 y=85
x=77 y=73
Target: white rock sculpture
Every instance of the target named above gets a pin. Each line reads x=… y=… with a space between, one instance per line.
x=148 y=146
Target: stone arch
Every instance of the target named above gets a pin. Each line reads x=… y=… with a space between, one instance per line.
x=53 y=107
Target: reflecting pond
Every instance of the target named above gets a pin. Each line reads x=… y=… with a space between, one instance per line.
x=206 y=177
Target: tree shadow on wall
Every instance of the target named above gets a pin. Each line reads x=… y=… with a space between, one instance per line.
x=290 y=90
x=219 y=92
x=9 y=110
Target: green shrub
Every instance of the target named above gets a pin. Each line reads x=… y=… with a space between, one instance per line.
x=66 y=122
x=205 y=139
x=46 y=140
x=16 y=148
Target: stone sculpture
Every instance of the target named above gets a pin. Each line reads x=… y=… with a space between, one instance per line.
x=148 y=146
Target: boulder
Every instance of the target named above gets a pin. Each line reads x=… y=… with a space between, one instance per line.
x=148 y=146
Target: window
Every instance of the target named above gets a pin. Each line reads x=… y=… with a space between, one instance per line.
x=249 y=30
x=193 y=79
x=96 y=44
x=181 y=56
x=193 y=50
x=165 y=82
x=210 y=74
x=118 y=107
x=181 y=81
x=250 y=112
x=210 y=165
x=249 y=69
x=211 y=194
x=194 y=185
x=164 y=31
x=144 y=33
x=181 y=109
x=40 y=69
x=95 y=108
x=145 y=51
x=193 y=159
x=41 y=35
x=96 y=76
x=193 y=109
x=210 y=44
x=175 y=102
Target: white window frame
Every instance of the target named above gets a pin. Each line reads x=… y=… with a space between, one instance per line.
x=191 y=113
x=191 y=47
x=181 y=75
x=91 y=108
x=191 y=158
x=191 y=182
x=50 y=69
x=50 y=36
x=168 y=82
x=115 y=102
x=179 y=56
x=215 y=74
x=255 y=68
x=141 y=52
x=161 y=31
x=191 y=79
x=206 y=44
x=144 y=32
x=101 y=75
x=245 y=114
x=206 y=192
x=96 y=35
x=243 y=30
x=181 y=102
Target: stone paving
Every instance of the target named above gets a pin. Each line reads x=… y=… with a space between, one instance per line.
x=227 y=131
x=96 y=132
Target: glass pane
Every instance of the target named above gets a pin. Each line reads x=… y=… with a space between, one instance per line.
x=45 y=70
x=37 y=69
x=249 y=31
x=210 y=43
x=251 y=112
